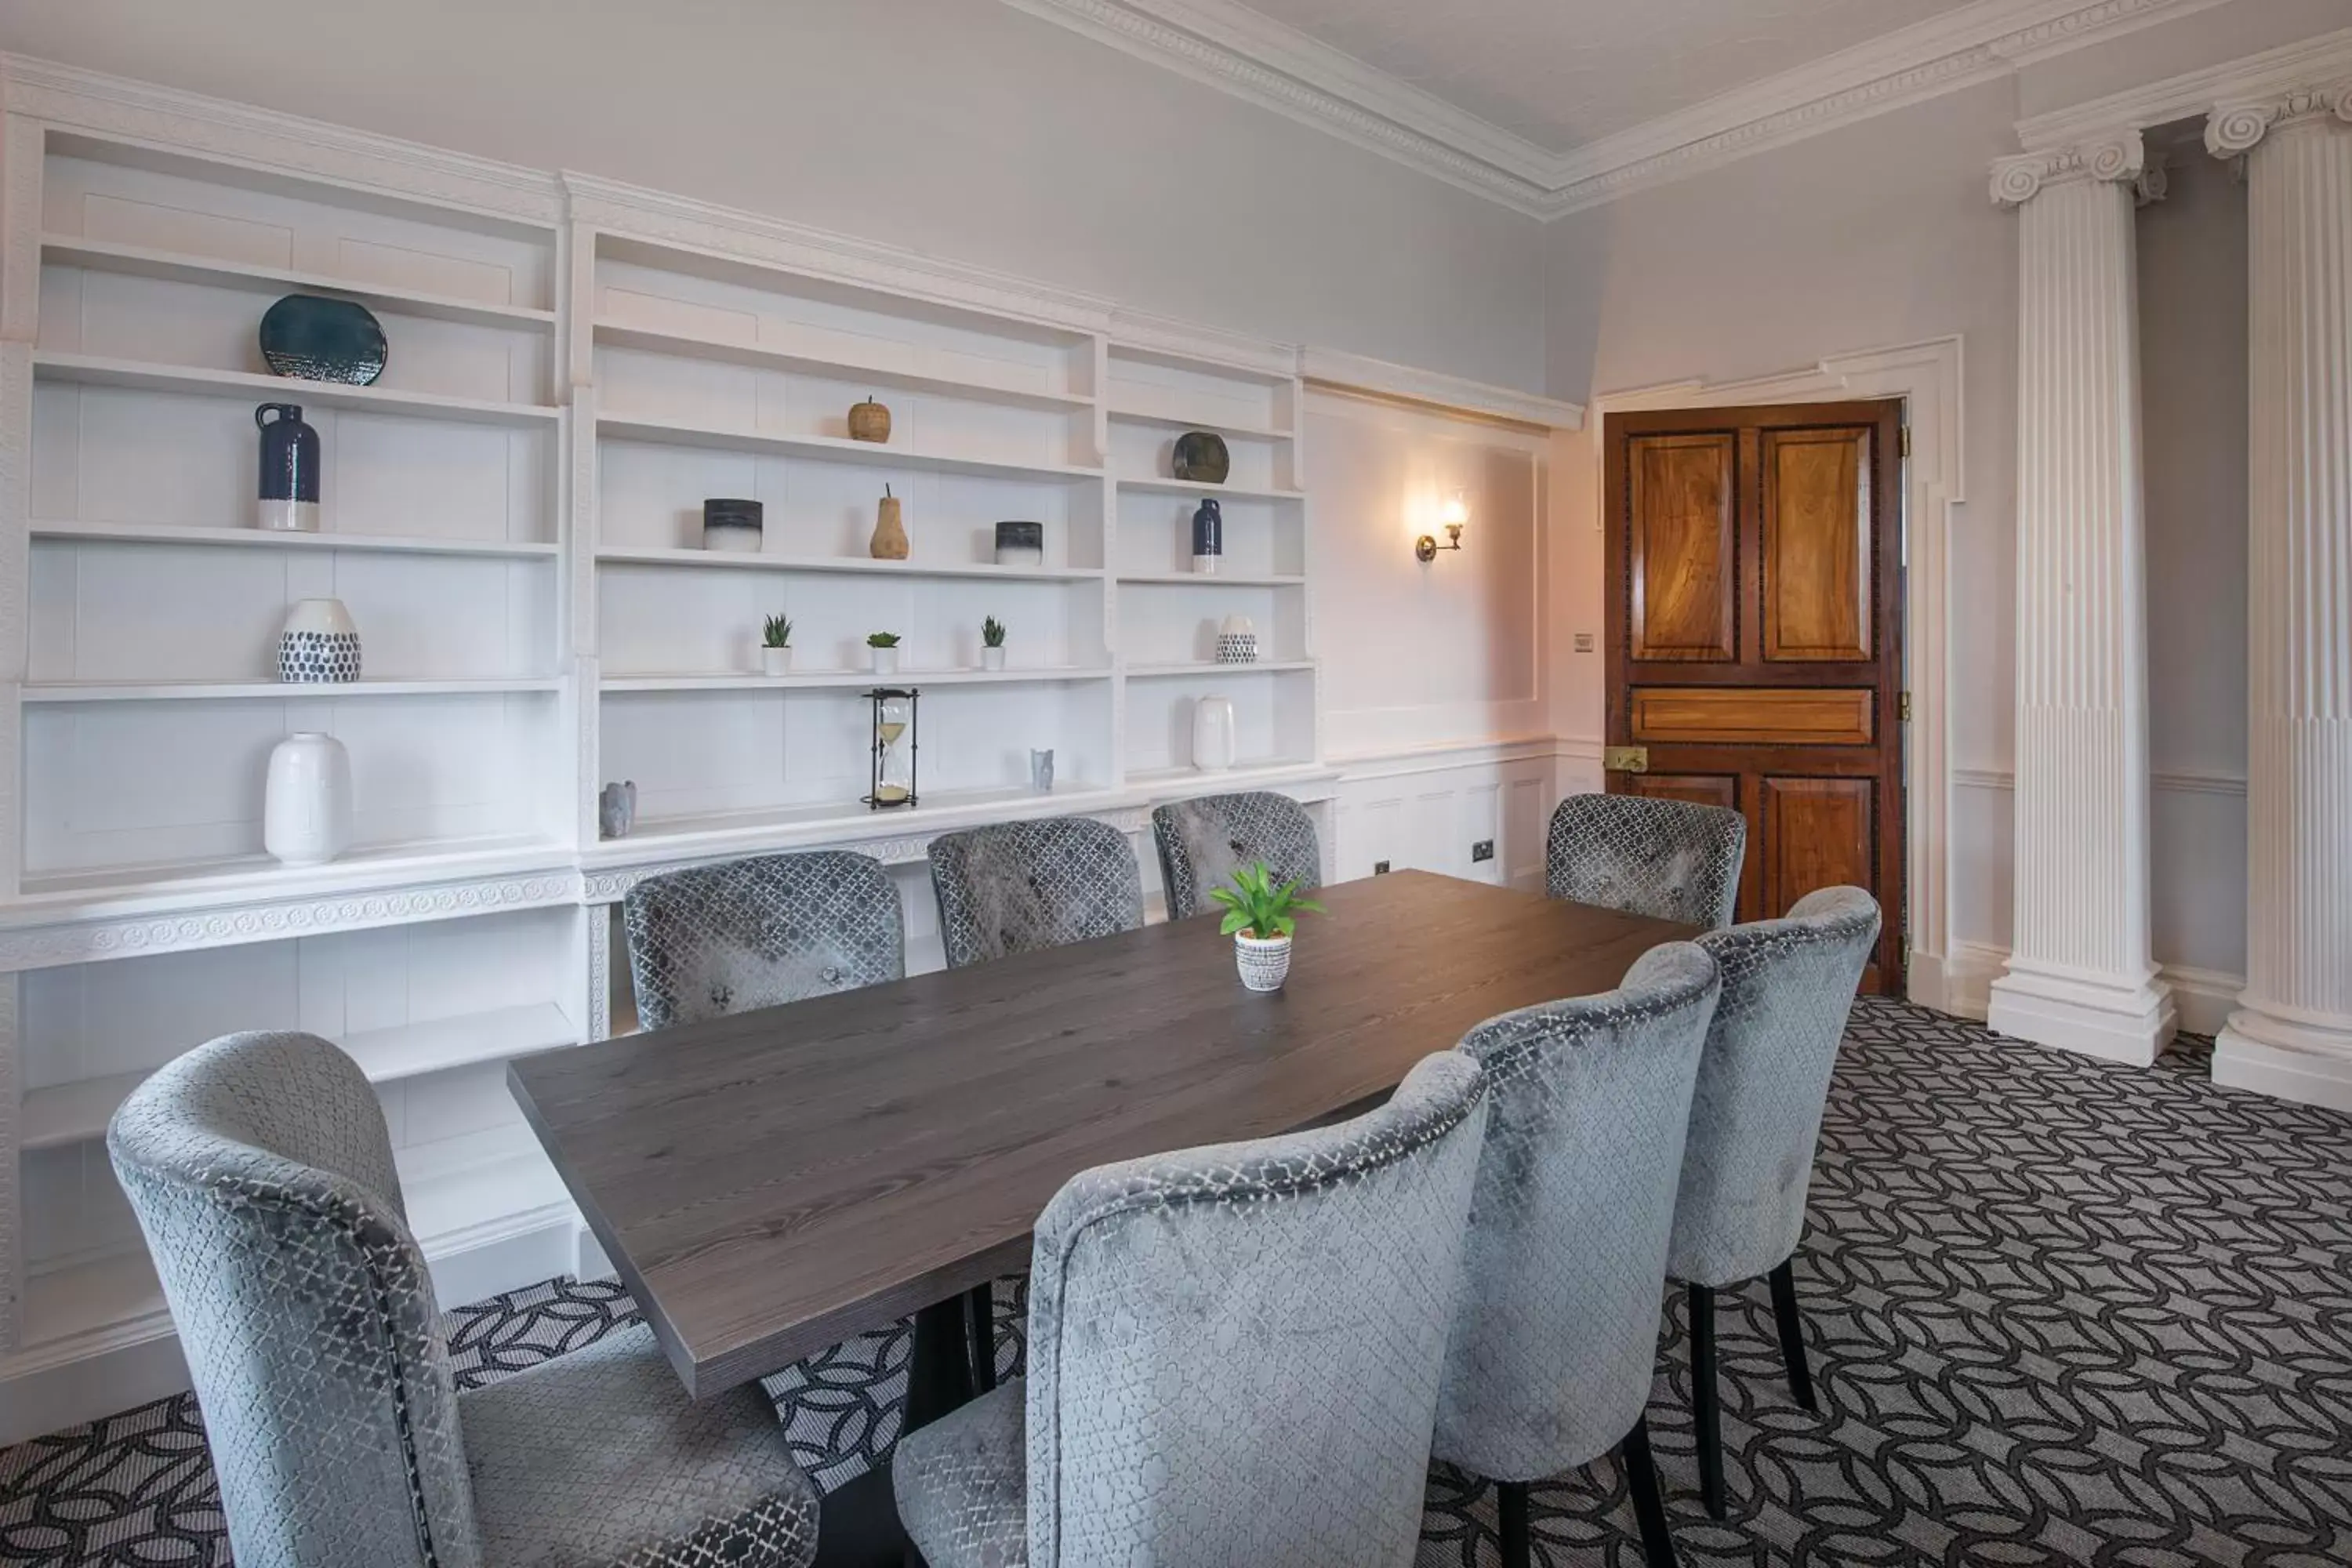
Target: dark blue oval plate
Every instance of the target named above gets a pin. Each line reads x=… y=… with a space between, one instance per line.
x=316 y=339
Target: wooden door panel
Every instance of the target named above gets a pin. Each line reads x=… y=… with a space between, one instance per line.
x=1818 y=834
x=1684 y=545
x=1768 y=716
x=1817 y=545
x=1754 y=565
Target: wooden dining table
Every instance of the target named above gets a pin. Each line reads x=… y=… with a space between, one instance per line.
x=771 y=1183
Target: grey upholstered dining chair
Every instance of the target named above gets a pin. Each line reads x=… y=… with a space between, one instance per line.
x=1017 y=887
x=260 y=1171
x=1553 y=1347
x=728 y=938
x=1672 y=860
x=1233 y=1355
x=1203 y=842
x=1755 y=1118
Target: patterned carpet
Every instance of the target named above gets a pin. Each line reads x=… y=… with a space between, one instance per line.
x=2060 y=1314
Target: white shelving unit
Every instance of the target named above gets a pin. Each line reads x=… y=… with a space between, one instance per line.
x=512 y=515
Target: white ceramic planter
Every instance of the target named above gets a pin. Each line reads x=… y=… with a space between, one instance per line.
x=1264 y=965
x=885 y=660
x=306 y=817
x=775 y=660
x=991 y=658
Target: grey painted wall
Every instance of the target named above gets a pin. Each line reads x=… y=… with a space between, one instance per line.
x=964 y=127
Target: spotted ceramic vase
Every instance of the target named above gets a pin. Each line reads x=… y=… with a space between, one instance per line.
x=1265 y=965
x=319 y=643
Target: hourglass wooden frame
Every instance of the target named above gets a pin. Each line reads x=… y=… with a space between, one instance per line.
x=914 y=697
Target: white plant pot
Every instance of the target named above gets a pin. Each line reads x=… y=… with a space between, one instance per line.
x=775 y=660
x=1264 y=964
x=886 y=660
x=306 y=817
x=991 y=658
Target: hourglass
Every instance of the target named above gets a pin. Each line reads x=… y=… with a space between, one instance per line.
x=894 y=749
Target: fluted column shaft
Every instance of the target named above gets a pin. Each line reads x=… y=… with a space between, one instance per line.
x=2291 y=1033
x=2079 y=973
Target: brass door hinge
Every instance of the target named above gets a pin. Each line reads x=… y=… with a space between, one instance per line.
x=1903 y=708
x=1903 y=441
x=1625 y=759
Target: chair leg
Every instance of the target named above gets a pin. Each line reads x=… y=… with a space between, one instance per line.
x=1707 y=1409
x=1511 y=1504
x=1649 y=1511
x=980 y=1311
x=1792 y=1334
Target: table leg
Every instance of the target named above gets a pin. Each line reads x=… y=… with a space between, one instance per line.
x=981 y=1315
x=859 y=1528
x=939 y=1368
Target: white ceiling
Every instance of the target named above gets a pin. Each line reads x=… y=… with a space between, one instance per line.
x=1562 y=73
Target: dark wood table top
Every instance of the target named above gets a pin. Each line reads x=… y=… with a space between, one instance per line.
x=771 y=1183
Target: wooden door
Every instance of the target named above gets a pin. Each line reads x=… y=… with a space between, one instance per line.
x=1755 y=620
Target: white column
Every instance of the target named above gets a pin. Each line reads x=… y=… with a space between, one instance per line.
x=2291 y=1033
x=2079 y=973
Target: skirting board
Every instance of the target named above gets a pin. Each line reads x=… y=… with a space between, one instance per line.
x=132 y=1364
x=2204 y=997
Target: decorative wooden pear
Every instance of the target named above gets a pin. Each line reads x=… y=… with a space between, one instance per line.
x=889 y=542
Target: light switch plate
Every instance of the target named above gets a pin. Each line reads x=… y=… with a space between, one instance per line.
x=1584 y=642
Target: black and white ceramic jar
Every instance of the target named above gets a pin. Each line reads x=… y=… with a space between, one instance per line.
x=289 y=470
x=1237 y=641
x=733 y=525
x=1021 y=544
x=1208 y=536
x=319 y=643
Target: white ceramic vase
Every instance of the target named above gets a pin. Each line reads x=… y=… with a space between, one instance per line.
x=885 y=660
x=1237 y=641
x=319 y=643
x=775 y=660
x=1264 y=964
x=1212 y=734
x=991 y=658
x=306 y=817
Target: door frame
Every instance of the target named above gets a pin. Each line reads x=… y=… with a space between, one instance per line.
x=1928 y=376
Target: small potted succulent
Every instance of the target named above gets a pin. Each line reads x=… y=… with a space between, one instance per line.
x=991 y=644
x=776 y=646
x=1260 y=917
x=884 y=648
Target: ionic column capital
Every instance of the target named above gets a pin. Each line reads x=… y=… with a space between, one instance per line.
x=2234 y=128
x=2118 y=157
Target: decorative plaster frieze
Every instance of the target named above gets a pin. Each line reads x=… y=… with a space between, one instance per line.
x=2233 y=130
x=2120 y=157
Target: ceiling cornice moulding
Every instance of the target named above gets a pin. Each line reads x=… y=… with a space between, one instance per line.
x=1237 y=50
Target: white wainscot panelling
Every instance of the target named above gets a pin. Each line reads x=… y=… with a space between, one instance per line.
x=1427 y=812
x=2196 y=866
x=142 y=783
x=666 y=620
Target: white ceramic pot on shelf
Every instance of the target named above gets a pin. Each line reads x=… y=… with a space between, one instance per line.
x=775 y=660
x=885 y=660
x=1263 y=964
x=306 y=817
x=1212 y=734
x=991 y=658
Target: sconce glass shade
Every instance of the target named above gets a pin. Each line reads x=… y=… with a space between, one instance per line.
x=1457 y=510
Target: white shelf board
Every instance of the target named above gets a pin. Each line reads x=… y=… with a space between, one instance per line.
x=661 y=839
x=140 y=375
x=1212 y=580
x=755 y=560
x=1154 y=485
x=613 y=334
x=1222 y=426
x=73 y=1112
x=170 y=267
x=292 y=690
x=1248 y=775
x=826 y=449
x=1211 y=667
x=824 y=678
x=274 y=538
x=81 y=894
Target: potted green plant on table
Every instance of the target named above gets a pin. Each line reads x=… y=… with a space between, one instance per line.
x=991 y=644
x=776 y=646
x=1260 y=916
x=884 y=648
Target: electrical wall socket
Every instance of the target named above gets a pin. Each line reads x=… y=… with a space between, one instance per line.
x=1584 y=642
x=1379 y=868
x=1483 y=850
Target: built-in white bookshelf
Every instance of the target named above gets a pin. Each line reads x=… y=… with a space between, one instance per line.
x=512 y=515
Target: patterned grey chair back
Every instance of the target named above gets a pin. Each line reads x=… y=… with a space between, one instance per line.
x=1017 y=887
x=1202 y=842
x=1670 y=860
x=1553 y=1347
x=261 y=1173
x=1788 y=985
x=1234 y=1351
x=714 y=939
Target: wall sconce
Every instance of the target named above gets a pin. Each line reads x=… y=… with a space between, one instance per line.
x=1456 y=513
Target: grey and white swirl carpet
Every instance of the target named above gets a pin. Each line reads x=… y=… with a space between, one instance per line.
x=2060 y=1312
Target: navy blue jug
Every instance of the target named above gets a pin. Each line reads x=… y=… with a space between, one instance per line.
x=289 y=469
x=1208 y=536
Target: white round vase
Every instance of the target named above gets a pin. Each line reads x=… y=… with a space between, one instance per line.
x=1264 y=964
x=306 y=817
x=1212 y=734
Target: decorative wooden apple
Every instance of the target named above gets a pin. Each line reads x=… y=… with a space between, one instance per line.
x=869 y=421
